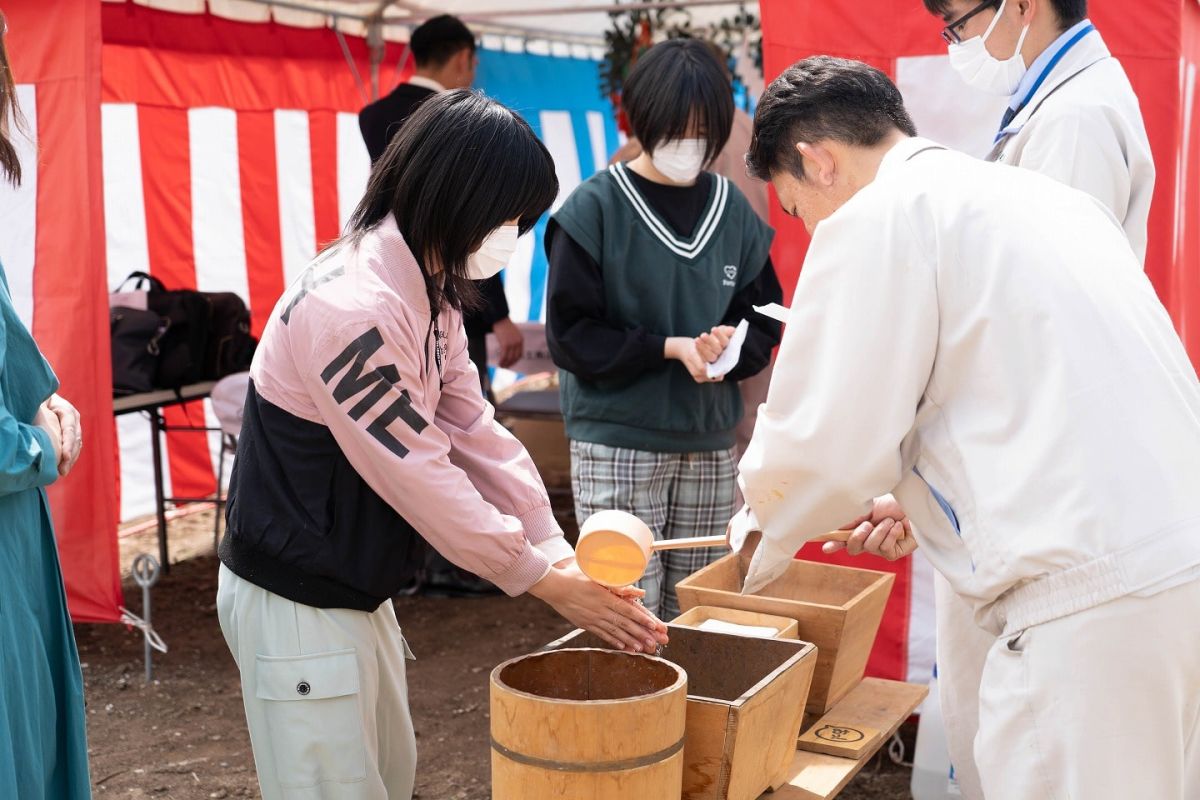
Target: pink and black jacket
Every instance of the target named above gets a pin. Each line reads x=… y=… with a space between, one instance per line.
x=364 y=429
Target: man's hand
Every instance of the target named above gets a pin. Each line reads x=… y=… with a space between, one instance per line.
x=710 y=345
x=885 y=532
x=684 y=350
x=512 y=343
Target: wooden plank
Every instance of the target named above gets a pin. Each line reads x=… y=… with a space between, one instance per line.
x=874 y=703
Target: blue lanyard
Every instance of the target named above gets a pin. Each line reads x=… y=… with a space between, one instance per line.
x=1045 y=74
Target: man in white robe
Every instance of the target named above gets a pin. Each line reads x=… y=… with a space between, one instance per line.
x=982 y=343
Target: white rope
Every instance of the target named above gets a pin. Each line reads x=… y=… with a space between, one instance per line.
x=896 y=750
x=134 y=621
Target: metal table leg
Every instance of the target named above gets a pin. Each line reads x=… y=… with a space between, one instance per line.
x=156 y=425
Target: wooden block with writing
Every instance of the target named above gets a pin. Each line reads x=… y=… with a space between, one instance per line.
x=840 y=738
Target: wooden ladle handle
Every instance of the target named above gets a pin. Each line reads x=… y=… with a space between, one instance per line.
x=682 y=544
x=719 y=541
x=844 y=536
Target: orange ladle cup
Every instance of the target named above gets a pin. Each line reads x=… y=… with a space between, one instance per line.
x=614 y=547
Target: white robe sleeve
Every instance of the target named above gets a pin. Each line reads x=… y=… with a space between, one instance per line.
x=852 y=369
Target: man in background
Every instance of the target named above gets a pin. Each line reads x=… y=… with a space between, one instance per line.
x=443 y=49
x=446 y=58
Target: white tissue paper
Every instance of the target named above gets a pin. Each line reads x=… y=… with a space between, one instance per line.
x=774 y=311
x=721 y=626
x=732 y=352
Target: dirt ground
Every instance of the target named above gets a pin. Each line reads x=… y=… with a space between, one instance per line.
x=184 y=736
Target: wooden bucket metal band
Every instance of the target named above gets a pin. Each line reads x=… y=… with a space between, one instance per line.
x=590 y=766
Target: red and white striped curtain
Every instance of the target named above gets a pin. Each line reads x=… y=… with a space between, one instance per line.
x=231 y=156
x=52 y=248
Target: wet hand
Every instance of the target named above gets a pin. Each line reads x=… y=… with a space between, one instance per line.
x=613 y=615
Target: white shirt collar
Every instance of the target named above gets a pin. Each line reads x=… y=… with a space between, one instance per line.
x=428 y=83
x=1042 y=63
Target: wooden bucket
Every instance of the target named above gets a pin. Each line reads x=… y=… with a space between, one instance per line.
x=587 y=724
x=746 y=698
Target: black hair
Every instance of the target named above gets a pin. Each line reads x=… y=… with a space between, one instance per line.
x=439 y=39
x=1068 y=12
x=823 y=98
x=10 y=114
x=676 y=83
x=460 y=167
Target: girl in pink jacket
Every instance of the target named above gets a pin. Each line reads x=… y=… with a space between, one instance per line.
x=364 y=430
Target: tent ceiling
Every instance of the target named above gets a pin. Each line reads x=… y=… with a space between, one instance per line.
x=561 y=20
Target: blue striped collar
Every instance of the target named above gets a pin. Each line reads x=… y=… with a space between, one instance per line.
x=1044 y=64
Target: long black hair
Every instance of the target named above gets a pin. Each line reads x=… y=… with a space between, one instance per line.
x=675 y=84
x=462 y=166
x=10 y=115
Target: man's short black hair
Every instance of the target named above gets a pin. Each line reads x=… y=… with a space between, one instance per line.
x=823 y=98
x=1068 y=12
x=674 y=84
x=439 y=39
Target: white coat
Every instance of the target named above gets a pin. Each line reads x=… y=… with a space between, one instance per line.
x=1084 y=128
x=989 y=331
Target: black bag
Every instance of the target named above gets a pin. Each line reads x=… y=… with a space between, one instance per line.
x=135 y=348
x=183 y=345
x=230 y=345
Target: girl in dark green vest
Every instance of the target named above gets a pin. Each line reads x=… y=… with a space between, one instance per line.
x=653 y=264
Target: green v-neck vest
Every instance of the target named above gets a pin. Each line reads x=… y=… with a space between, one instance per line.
x=670 y=285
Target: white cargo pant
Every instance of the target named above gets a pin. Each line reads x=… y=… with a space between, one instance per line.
x=325 y=694
x=1103 y=704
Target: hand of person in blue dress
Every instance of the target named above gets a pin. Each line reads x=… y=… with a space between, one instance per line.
x=47 y=420
x=72 y=432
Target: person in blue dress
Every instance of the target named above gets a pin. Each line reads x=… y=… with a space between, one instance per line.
x=43 y=744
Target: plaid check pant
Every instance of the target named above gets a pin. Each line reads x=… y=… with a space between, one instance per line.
x=676 y=494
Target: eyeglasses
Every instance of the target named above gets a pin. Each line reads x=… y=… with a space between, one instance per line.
x=952 y=32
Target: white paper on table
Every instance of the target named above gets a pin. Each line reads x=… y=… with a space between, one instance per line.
x=721 y=626
x=774 y=311
x=732 y=352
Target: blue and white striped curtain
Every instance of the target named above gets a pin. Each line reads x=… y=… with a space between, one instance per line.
x=560 y=98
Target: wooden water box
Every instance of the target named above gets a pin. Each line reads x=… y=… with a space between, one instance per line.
x=746 y=698
x=836 y=608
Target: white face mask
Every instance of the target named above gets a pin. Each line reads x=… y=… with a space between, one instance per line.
x=983 y=71
x=680 y=159
x=493 y=255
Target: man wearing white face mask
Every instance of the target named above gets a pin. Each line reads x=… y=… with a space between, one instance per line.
x=1072 y=114
x=653 y=265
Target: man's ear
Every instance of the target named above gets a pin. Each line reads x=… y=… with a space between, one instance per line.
x=820 y=166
